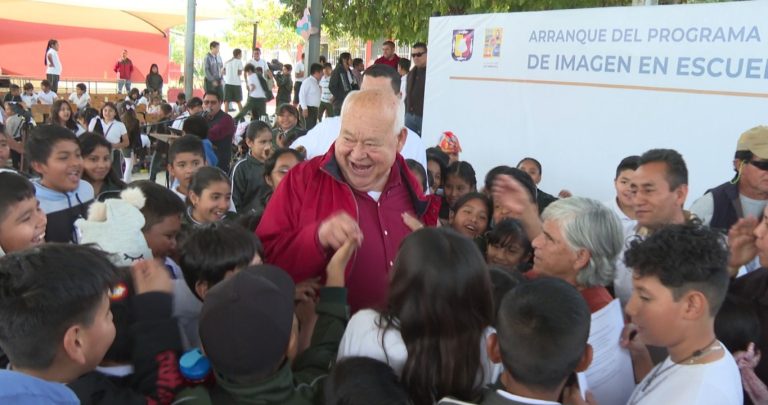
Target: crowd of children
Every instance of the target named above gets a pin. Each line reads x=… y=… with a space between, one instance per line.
x=113 y=291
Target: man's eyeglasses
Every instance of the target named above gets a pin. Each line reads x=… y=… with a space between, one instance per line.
x=417 y=54
x=210 y=102
x=762 y=165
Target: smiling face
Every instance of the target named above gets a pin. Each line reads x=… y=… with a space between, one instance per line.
x=286 y=120
x=96 y=165
x=284 y=163
x=62 y=170
x=655 y=203
x=368 y=144
x=22 y=226
x=654 y=310
x=184 y=166
x=509 y=256
x=471 y=219
x=623 y=185
x=212 y=204
x=108 y=113
x=437 y=175
x=65 y=112
x=455 y=188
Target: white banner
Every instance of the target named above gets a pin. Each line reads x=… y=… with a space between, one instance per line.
x=581 y=89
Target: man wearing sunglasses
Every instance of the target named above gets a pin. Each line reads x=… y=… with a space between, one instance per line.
x=414 y=100
x=747 y=193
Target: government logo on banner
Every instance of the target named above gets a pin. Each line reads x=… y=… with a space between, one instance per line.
x=463 y=42
x=493 y=39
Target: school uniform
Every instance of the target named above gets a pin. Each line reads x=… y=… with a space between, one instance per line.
x=62 y=209
x=248 y=185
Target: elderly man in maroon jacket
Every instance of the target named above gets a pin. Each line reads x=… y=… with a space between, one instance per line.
x=360 y=189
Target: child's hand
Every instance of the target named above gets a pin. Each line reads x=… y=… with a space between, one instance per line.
x=151 y=276
x=412 y=222
x=338 y=263
x=338 y=229
x=307 y=290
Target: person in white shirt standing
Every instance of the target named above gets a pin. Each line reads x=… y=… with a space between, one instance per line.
x=298 y=77
x=80 y=97
x=233 y=86
x=257 y=96
x=309 y=96
x=326 y=98
x=53 y=64
x=403 y=67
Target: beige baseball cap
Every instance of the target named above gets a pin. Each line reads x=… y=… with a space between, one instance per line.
x=755 y=140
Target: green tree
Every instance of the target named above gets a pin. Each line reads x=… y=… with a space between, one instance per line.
x=202 y=46
x=408 y=20
x=272 y=34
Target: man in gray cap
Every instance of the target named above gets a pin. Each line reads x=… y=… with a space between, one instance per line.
x=747 y=193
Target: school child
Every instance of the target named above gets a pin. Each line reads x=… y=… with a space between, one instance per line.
x=144 y=99
x=160 y=155
x=55 y=323
x=437 y=165
x=257 y=361
x=28 y=97
x=248 y=184
x=541 y=339
x=22 y=222
x=679 y=283
x=62 y=115
x=46 y=95
x=508 y=246
x=499 y=211
x=5 y=150
x=209 y=197
x=133 y=95
x=109 y=125
x=141 y=365
x=359 y=380
x=54 y=153
x=80 y=98
x=440 y=307
x=216 y=251
x=180 y=106
x=277 y=166
x=154 y=106
x=185 y=156
x=198 y=126
x=135 y=146
x=287 y=129
x=471 y=215
x=419 y=172
x=459 y=180
x=326 y=98
x=98 y=169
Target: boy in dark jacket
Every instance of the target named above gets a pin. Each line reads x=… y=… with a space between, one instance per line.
x=256 y=361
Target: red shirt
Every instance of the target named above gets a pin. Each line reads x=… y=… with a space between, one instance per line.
x=389 y=62
x=597 y=297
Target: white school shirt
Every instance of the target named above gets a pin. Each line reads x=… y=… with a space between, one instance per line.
x=233 y=68
x=80 y=102
x=259 y=63
x=309 y=93
x=715 y=383
x=299 y=68
x=326 y=94
x=46 y=98
x=29 y=100
x=56 y=69
x=113 y=132
x=257 y=91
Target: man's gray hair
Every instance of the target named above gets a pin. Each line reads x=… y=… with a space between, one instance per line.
x=399 y=122
x=588 y=224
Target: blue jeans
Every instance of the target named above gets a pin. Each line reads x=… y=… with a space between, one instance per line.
x=413 y=122
x=121 y=83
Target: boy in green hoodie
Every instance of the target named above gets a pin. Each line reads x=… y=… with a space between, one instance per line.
x=256 y=361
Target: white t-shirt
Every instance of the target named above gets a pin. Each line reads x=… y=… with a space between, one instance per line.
x=363 y=337
x=324 y=134
x=704 y=207
x=716 y=383
x=254 y=87
x=299 y=68
x=56 y=69
x=81 y=101
x=46 y=98
x=29 y=100
x=233 y=68
x=113 y=132
x=325 y=95
x=260 y=63
x=179 y=122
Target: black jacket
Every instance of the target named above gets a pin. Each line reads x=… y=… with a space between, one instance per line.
x=156 y=344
